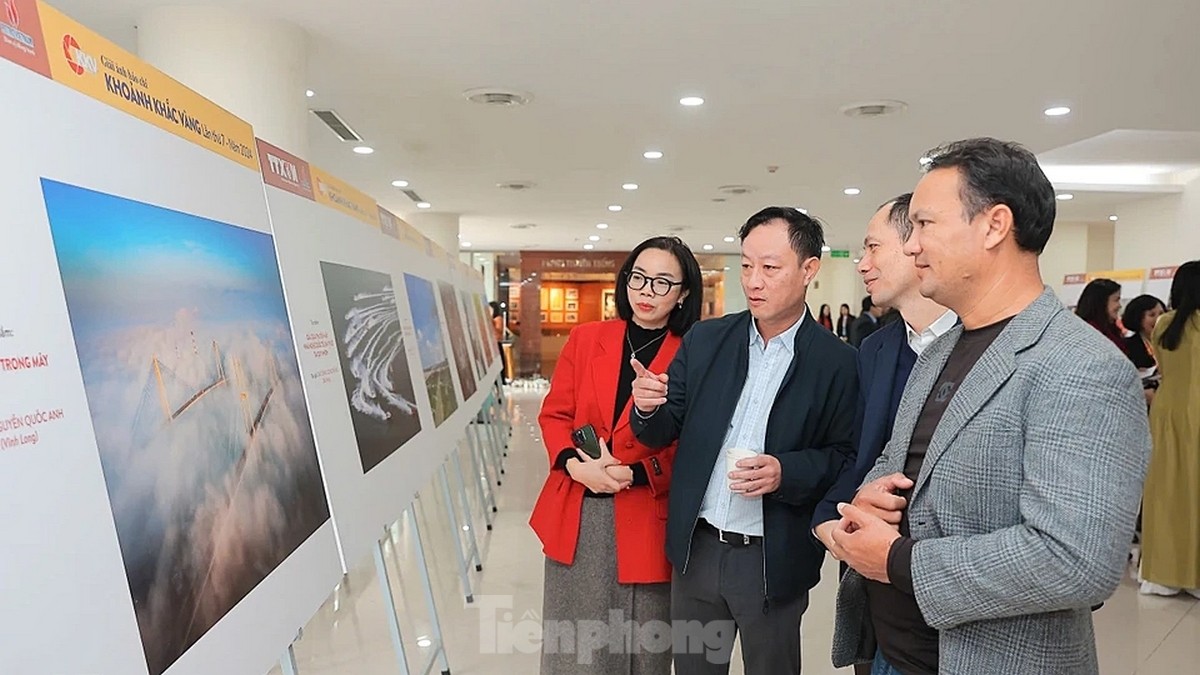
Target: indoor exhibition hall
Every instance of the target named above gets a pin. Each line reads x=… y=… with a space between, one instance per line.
x=563 y=337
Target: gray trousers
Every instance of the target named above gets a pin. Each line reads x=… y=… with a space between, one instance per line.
x=720 y=597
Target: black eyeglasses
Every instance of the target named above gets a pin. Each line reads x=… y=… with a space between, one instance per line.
x=658 y=285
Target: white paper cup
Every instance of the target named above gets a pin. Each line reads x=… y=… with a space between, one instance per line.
x=734 y=455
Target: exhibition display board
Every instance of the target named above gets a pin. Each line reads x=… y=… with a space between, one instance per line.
x=165 y=452
x=1072 y=289
x=1159 y=280
x=383 y=344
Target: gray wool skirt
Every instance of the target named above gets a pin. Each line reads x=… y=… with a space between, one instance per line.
x=592 y=625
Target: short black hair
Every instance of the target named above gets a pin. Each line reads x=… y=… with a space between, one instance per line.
x=805 y=232
x=898 y=215
x=681 y=318
x=1093 y=302
x=1185 y=302
x=867 y=304
x=1001 y=172
x=1131 y=318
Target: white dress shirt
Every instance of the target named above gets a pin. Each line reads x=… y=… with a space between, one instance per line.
x=769 y=363
x=918 y=342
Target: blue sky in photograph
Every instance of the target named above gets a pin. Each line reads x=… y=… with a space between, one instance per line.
x=125 y=262
x=426 y=321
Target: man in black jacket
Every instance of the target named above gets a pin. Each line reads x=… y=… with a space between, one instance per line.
x=772 y=386
x=868 y=322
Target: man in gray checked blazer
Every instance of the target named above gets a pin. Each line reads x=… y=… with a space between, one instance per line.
x=1002 y=508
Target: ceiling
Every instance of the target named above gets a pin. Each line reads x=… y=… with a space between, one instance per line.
x=606 y=78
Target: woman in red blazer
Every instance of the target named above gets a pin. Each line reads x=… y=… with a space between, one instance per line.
x=602 y=522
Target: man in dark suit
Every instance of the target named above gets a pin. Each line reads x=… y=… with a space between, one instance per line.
x=885 y=361
x=770 y=385
x=866 y=323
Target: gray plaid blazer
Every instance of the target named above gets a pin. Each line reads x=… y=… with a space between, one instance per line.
x=1024 y=509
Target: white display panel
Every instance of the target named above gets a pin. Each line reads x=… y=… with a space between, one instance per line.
x=346 y=283
x=163 y=516
x=1159 y=282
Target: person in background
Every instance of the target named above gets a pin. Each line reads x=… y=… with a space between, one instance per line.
x=884 y=362
x=1171 y=513
x=1100 y=306
x=498 y=328
x=762 y=405
x=866 y=323
x=845 y=318
x=601 y=520
x=825 y=318
x=1139 y=318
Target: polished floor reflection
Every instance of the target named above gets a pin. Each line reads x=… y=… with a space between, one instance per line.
x=350 y=635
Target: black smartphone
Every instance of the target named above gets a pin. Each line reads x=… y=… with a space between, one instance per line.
x=585 y=439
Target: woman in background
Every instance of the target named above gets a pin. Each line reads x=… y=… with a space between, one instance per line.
x=845 y=318
x=1139 y=318
x=1171 y=505
x=1100 y=306
x=826 y=318
x=602 y=521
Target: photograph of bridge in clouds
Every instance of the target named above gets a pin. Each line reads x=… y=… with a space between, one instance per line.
x=196 y=399
x=431 y=343
x=370 y=346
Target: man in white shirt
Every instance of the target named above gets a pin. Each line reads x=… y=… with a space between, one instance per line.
x=885 y=360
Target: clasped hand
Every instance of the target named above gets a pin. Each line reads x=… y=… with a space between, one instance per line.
x=863 y=537
x=604 y=475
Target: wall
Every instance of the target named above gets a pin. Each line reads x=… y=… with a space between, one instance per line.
x=1066 y=253
x=1160 y=231
x=1100 y=246
x=735 y=299
x=838 y=282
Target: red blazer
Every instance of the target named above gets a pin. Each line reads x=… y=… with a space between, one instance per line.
x=584 y=391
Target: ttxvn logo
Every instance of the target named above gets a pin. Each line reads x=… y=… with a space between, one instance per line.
x=79 y=60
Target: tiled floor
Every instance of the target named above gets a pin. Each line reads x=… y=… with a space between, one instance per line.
x=349 y=636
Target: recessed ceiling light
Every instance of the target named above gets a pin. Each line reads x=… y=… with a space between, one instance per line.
x=1113 y=218
x=614 y=207
x=310 y=93
x=465 y=244
x=691 y=101
x=925 y=160
x=1058 y=111
x=630 y=186
x=653 y=154
x=601 y=226
x=426 y=642
x=851 y=191
x=364 y=149
x=730 y=240
x=857 y=260
x=708 y=247
x=594 y=237
x=400 y=183
x=1064 y=197
x=826 y=248
x=588 y=247
x=424 y=205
